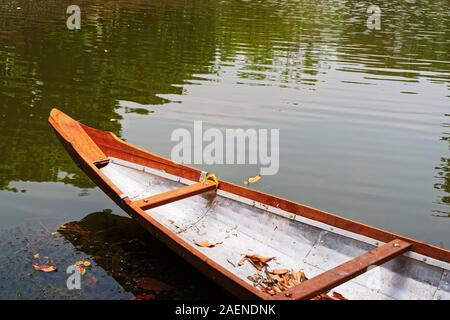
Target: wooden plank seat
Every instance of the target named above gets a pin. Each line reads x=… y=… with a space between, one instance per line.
x=174 y=195
x=332 y=278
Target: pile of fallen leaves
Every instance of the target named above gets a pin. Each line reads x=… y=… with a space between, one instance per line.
x=277 y=280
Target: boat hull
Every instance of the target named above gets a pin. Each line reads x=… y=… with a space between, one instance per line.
x=301 y=237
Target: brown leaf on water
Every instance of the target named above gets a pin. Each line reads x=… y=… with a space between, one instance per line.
x=36 y=256
x=207 y=244
x=151 y=284
x=44 y=267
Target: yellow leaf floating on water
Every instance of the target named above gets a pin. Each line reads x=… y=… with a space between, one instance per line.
x=151 y=284
x=36 y=256
x=252 y=179
x=83 y=263
x=82 y=269
x=207 y=244
x=44 y=267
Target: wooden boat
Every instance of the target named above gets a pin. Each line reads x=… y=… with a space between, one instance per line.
x=255 y=245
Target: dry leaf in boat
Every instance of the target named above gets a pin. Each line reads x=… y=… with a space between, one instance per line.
x=207 y=244
x=279 y=271
x=44 y=267
x=258 y=261
x=257 y=264
x=279 y=280
x=252 y=179
x=274 y=277
x=338 y=296
x=299 y=276
x=151 y=284
x=82 y=269
x=327 y=296
x=258 y=258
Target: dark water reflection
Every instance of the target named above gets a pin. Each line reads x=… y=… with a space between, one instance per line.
x=362 y=114
x=121 y=252
x=128 y=253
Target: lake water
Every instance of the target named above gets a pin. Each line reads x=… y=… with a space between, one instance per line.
x=363 y=118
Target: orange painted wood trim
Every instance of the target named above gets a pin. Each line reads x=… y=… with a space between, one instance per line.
x=72 y=131
x=332 y=278
x=173 y=195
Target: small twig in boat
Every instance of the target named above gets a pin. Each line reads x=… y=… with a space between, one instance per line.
x=231 y=263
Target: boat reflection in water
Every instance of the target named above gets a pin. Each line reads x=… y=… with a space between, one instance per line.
x=136 y=260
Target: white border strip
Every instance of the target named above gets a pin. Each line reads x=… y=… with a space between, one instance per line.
x=283 y=213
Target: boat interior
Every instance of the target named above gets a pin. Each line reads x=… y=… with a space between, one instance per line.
x=239 y=226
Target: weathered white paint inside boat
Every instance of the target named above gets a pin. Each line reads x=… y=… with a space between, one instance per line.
x=243 y=228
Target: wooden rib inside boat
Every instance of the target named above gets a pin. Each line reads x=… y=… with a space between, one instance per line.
x=255 y=245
